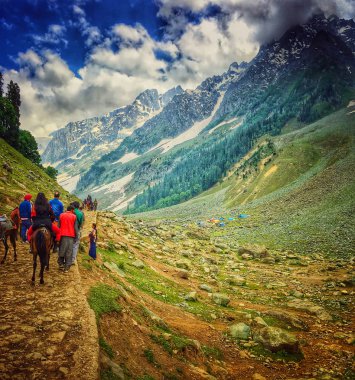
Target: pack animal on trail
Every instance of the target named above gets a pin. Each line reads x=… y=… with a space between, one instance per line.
x=9 y=229
x=41 y=245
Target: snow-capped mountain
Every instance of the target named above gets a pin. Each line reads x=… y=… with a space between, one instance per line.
x=308 y=72
x=101 y=134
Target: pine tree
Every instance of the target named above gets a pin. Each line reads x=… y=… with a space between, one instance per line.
x=1 y=85
x=13 y=131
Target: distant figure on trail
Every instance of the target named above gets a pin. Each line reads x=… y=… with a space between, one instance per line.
x=95 y=204
x=42 y=214
x=80 y=220
x=93 y=239
x=25 y=215
x=69 y=231
x=57 y=206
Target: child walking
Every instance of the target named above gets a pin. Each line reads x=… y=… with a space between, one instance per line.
x=93 y=238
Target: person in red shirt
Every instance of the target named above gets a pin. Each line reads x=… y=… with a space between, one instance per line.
x=69 y=230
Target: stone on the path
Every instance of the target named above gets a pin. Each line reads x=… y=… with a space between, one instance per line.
x=276 y=339
x=220 y=299
x=311 y=308
x=240 y=331
x=64 y=370
x=206 y=287
x=257 y=376
x=57 y=337
x=138 y=264
x=192 y=296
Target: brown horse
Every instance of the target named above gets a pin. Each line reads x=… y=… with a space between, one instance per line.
x=9 y=229
x=41 y=245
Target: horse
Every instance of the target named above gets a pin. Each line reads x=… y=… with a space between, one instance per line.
x=41 y=245
x=9 y=229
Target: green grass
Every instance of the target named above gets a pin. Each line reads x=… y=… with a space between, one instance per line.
x=305 y=205
x=103 y=299
x=282 y=355
x=212 y=352
x=106 y=347
x=172 y=343
x=151 y=282
x=107 y=374
x=26 y=177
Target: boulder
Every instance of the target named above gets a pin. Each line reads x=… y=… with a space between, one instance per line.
x=206 y=287
x=310 y=307
x=138 y=264
x=276 y=339
x=192 y=296
x=220 y=299
x=183 y=273
x=184 y=264
x=240 y=331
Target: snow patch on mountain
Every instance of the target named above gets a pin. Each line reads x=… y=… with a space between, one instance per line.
x=115 y=186
x=190 y=134
x=67 y=182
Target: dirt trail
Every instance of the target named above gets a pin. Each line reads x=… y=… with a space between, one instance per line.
x=47 y=331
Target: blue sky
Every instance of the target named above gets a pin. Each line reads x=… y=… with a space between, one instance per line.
x=30 y=19
x=75 y=59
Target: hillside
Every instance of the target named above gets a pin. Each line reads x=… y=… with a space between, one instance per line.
x=296 y=187
x=192 y=143
x=176 y=301
x=19 y=176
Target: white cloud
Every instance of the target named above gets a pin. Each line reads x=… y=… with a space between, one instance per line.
x=55 y=35
x=121 y=67
x=90 y=32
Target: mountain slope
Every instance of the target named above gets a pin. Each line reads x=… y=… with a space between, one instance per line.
x=195 y=139
x=296 y=187
x=319 y=81
x=19 y=176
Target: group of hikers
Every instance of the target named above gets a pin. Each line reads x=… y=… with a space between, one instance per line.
x=65 y=226
x=89 y=204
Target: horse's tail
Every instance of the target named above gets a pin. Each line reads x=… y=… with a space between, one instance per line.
x=41 y=247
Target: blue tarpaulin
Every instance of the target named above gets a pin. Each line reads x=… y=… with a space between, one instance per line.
x=243 y=216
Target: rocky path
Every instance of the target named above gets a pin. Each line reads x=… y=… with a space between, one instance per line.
x=47 y=331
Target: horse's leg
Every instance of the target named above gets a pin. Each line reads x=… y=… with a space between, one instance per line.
x=6 y=249
x=48 y=257
x=13 y=242
x=34 y=267
x=41 y=281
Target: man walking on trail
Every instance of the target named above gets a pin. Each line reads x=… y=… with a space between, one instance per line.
x=57 y=206
x=80 y=221
x=68 y=225
x=25 y=215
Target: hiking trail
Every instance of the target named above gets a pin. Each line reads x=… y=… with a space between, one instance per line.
x=47 y=331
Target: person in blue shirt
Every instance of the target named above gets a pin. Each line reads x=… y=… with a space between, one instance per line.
x=57 y=205
x=25 y=215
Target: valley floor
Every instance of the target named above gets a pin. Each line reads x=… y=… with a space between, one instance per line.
x=173 y=301
x=158 y=289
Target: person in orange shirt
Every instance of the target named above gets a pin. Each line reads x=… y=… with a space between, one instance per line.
x=69 y=230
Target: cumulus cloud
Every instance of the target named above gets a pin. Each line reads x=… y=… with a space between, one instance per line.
x=127 y=60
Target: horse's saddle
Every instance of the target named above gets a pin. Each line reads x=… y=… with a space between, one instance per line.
x=47 y=236
x=5 y=224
